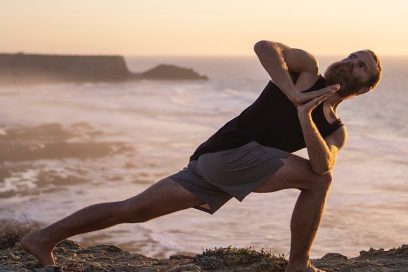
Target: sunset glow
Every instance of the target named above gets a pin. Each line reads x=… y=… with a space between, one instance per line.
x=182 y=27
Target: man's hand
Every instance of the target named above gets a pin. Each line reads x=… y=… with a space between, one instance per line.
x=322 y=156
x=307 y=102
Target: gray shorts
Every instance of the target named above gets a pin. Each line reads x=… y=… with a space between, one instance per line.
x=217 y=177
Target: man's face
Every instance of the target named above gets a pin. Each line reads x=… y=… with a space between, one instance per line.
x=352 y=73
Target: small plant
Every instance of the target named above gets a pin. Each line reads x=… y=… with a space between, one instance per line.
x=231 y=256
x=12 y=232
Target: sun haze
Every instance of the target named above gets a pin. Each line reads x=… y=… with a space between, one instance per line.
x=185 y=27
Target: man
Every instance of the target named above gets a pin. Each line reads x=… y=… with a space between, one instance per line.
x=251 y=153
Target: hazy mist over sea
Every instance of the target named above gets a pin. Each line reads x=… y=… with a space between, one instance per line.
x=66 y=146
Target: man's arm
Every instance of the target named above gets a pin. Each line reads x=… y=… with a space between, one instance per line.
x=322 y=152
x=279 y=59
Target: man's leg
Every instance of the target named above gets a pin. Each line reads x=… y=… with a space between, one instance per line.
x=163 y=197
x=297 y=173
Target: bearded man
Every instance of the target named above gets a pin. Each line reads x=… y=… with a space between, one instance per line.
x=251 y=153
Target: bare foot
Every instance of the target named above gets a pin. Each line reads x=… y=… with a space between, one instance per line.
x=314 y=269
x=309 y=268
x=35 y=244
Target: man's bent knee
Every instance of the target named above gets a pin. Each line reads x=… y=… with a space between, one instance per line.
x=320 y=184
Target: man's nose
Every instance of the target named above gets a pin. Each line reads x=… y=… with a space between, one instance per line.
x=350 y=65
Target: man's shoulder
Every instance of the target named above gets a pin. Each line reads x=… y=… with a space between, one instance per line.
x=301 y=61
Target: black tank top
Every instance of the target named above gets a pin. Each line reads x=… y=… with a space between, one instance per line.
x=272 y=120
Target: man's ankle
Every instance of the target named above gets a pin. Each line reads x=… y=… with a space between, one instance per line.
x=298 y=265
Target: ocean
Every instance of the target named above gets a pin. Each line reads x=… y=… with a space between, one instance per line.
x=91 y=143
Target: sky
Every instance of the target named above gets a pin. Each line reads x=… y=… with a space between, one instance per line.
x=210 y=27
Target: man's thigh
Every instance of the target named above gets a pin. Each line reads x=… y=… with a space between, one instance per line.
x=164 y=197
x=295 y=173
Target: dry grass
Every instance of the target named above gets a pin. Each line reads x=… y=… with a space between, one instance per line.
x=11 y=232
x=222 y=258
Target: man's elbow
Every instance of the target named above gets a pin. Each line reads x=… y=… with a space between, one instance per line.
x=263 y=45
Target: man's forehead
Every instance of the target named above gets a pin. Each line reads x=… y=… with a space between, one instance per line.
x=368 y=59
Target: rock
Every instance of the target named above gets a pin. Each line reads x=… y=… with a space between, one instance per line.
x=50 y=268
x=170 y=72
x=334 y=256
x=14 y=257
x=69 y=244
x=93 y=267
x=184 y=268
x=39 y=68
x=23 y=68
x=210 y=262
x=106 y=248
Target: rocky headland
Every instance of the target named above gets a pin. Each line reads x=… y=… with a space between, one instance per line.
x=21 y=68
x=70 y=256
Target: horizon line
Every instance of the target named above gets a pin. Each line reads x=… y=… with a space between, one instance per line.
x=179 y=55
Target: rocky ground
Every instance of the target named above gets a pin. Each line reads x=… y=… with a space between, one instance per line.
x=70 y=256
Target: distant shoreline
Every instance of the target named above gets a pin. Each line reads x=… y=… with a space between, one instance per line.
x=21 y=68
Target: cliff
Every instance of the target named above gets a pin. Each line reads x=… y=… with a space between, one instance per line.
x=169 y=72
x=23 y=68
x=70 y=256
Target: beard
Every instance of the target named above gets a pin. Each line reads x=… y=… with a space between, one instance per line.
x=342 y=73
